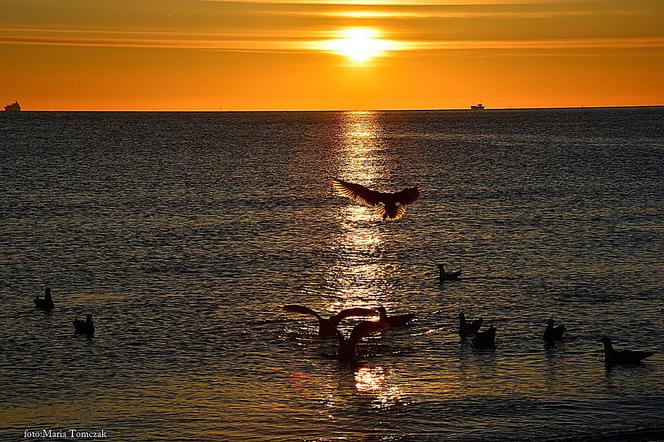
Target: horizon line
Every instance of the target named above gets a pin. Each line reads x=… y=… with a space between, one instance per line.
x=618 y=106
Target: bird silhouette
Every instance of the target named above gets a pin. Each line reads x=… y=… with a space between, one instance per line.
x=468 y=328
x=612 y=356
x=348 y=347
x=447 y=276
x=551 y=333
x=396 y=320
x=390 y=206
x=328 y=327
x=85 y=327
x=47 y=302
x=485 y=339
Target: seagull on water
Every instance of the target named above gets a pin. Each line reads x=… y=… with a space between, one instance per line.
x=447 y=276
x=396 y=320
x=467 y=328
x=485 y=339
x=85 y=327
x=551 y=333
x=612 y=356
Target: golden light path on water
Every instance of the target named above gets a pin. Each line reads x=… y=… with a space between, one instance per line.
x=360 y=161
x=361 y=237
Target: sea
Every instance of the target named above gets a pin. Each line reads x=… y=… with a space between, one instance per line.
x=185 y=234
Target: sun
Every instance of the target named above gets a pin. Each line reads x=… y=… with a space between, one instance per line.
x=359 y=44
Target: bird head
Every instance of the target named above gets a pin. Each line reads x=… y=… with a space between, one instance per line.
x=605 y=340
x=549 y=322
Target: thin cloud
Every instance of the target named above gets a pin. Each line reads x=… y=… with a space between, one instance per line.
x=404 y=14
x=303 y=43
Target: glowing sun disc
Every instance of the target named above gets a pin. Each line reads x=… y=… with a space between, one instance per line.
x=359 y=44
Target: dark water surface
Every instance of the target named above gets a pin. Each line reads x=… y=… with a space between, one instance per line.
x=185 y=233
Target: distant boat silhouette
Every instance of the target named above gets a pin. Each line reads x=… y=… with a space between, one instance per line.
x=348 y=347
x=14 y=107
x=612 y=356
x=396 y=320
x=445 y=276
x=390 y=206
x=86 y=327
x=477 y=107
x=551 y=333
x=46 y=303
x=485 y=339
x=328 y=327
x=468 y=328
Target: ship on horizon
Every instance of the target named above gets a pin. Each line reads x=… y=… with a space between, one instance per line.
x=477 y=107
x=14 y=107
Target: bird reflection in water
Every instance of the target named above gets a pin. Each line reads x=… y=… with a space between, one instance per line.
x=374 y=380
x=298 y=379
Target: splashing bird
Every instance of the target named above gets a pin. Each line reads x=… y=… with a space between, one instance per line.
x=486 y=338
x=396 y=320
x=468 y=328
x=328 y=327
x=390 y=206
x=85 y=327
x=612 y=356
x=46 y=303
x=551 y=333
x=348 y=347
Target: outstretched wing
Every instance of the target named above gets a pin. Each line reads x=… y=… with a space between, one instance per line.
x=300 y=309
x=356 y=192
x=351 y=312
x=365 y=328
x=407 y=196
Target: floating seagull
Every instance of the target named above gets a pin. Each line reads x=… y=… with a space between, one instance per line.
x=86 y=327
x=47 y=302
x=552 y=333
x=387 y=205
x=328 y=327
x=348 y=347
x=486 y=338
x=394 y=321
x=612 y=356
x=468 y=328
x=445 y=276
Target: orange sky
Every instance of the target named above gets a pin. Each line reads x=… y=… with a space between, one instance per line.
x=309 y=54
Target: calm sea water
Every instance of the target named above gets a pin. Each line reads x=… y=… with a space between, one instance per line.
x=185 y=234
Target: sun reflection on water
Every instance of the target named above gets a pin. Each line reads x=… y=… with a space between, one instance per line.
x=357 y=273
x=374 y=380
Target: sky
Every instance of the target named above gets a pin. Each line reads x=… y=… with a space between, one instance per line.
x=330 y=54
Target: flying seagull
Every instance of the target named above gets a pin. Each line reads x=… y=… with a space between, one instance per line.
x=387 y=205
